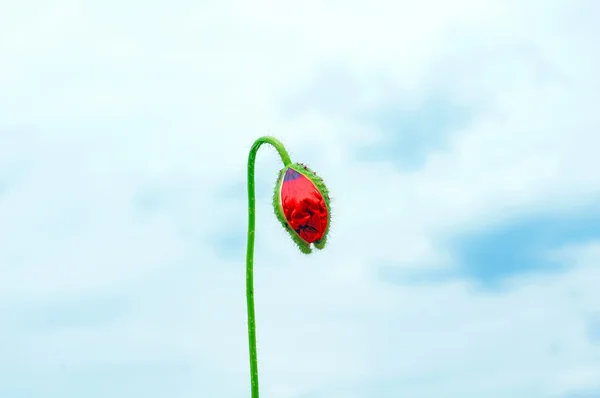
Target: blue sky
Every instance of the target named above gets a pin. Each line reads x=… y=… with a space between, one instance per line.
x=459 y=146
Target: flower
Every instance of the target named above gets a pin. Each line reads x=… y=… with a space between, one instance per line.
x=301 y=203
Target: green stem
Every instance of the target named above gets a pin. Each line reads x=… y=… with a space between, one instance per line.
x=285 y=158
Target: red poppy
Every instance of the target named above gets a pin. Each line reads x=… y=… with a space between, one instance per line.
x=302 y=199
x=304 y=206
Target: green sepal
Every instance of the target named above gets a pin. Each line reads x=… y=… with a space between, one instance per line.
x=318 y=182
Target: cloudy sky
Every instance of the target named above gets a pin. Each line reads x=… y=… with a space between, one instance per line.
x=459 y=141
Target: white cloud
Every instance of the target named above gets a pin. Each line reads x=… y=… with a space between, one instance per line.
x=102 y=103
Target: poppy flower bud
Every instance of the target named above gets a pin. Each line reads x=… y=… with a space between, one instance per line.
x=301 y=203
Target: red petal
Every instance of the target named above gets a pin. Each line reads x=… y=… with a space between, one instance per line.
x=303 y=206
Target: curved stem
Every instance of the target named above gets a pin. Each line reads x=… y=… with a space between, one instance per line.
x=285 y=158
